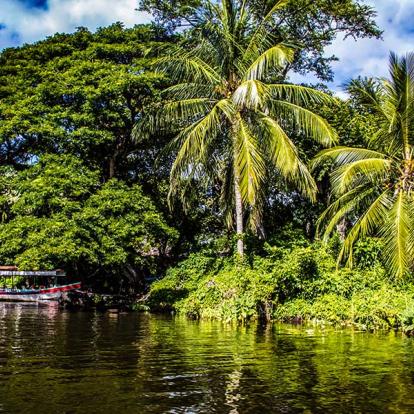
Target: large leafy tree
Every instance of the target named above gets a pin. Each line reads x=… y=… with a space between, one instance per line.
x=374 y=186
x=311 y=24
x=80 y=94
x=77 y=94
x=60 y=215
x=231 y=115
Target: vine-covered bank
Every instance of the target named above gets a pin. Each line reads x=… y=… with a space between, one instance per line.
x=294 y=281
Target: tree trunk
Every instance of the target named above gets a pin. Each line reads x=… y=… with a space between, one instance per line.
x=111 y=167
x=237 y=194
x=239 y=216
x=341 y=229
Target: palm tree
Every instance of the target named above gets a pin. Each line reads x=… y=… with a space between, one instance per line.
x=376 y=184
x=232 y=119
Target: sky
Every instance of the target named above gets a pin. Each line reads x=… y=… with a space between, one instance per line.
x=26 y=21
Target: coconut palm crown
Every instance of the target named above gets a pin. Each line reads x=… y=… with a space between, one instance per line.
x=376 y=185
x=231 y=116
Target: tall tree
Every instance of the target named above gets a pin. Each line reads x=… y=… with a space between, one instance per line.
x=376 y=183
x=61 y=215
x=77 y=94
x=231 y=115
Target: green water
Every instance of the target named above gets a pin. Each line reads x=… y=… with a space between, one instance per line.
x=60 y=362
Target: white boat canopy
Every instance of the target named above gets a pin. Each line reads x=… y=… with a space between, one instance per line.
x=7 y=271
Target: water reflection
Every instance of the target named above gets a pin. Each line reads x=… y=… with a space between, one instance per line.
x=59 y=362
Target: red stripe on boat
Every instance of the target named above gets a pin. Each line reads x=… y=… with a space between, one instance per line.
x=61 y=288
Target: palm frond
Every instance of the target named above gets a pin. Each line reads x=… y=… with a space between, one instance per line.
x=344 y=155
x=307 y=121
x=171 y=115
x=274 y=57
x=299 y=95
x=345 y=204
x=371 y=169
x=192 y=142
x=227 y=107
x=189 y=90
x=278 y=5
x=250 y=94
x=249 y=163
x=262 y=38
x=186 y=109
x=397 y=233
x=386 y=139
x=261 y=29
x=367 y=92
x=285 y=157
x=371 y=220
x=185 y=66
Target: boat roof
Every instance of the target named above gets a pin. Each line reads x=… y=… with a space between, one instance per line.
x=14 y=271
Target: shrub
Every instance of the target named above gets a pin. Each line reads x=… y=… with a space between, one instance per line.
x=285 y=283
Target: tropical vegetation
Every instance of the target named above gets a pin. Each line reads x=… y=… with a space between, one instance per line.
x=167 y=151
x=293 y=281
x=232 y=117
x=58 y=212
x=373 y=186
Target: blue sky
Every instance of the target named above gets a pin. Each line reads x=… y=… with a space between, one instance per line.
x=25 y=21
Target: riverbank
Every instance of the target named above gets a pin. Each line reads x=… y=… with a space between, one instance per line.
x=296 y=283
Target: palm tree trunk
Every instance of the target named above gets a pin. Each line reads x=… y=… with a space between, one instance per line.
x=237 y=195
x=239 y=216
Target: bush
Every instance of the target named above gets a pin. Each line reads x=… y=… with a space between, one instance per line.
x=286 y=283
x=368 y=252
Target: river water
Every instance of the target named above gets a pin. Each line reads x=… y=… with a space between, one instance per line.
x=61 y=362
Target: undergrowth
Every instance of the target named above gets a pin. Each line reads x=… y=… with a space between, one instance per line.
x=290 y=282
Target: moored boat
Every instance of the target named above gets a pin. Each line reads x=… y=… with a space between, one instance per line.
x=35 y=286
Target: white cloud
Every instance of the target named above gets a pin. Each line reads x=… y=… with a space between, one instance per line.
x=25 y=25
x=369 y=57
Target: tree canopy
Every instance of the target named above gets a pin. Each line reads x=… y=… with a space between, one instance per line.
x=310 y=25
x=78 y=94
x=61 y=215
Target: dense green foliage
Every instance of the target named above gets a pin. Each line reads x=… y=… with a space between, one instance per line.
x=292 y=282
x=88 y=155
x=60 y=215
x=77 y=93
x=76 y=97
x=373 y=186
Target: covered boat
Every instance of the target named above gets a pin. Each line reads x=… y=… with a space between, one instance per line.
x=33 y=286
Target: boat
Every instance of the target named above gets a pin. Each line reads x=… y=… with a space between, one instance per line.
x=35 y=286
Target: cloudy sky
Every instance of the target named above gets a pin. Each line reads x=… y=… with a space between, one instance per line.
x=23 y=21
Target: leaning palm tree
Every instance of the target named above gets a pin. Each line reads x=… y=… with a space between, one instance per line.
x=231 y=116
x=376 y=185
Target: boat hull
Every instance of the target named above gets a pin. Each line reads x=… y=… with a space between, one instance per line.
x=47 y=294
